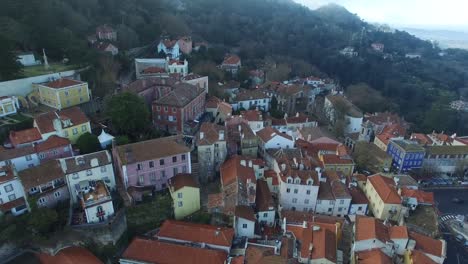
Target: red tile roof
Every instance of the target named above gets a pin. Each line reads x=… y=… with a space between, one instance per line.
x=323 y=241
x=264 y=200
x=358 y=196
x=9 y=173
x=267 y=133
x=385 y=188
x=373 y=256
x=212 y=102
x=52 y=142
x=273 y=175
x=422 y=196
x=153 y=69
x=422 y=139
x=182 y=180
x=427 y=244
x=419 y=257
x=245 y=212
x=232 y=169
x=45 y=121
x=231 y=59
x=211 y=134
x=391 y=131
x=62 y=83
x=330 y=159
x=25 y=136
x=69 y=255
x=372 y=228
x=252 y=115
x=198 y=233
x=6 y=207
x=151 y=251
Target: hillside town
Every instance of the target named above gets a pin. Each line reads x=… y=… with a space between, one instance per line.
x=261 y=172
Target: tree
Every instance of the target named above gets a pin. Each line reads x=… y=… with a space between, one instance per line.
x=88 y=143
x=278 y=73
x=129 y=114
x=10 y=68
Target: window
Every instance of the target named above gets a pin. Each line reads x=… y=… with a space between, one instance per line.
x=319 y=201
x=296 y=190
x=141 y=179
x=89 y=172
x=161 y=162
x=174 y=109
x=103 y=169
x=8 y=188
x=183 y=156
x=340 y=209
x=75 y=176
x=288 y=190
x=151 y=164
x=265 y=214
x=42 y=200
x=329 y=209
x=244 y=226
x=84 y=128
x=57 y=194
x=12 y=197
x=28 y=157
x=33 y=190
x=289 y=181
x=163 y=174
x=179 y=195
x=306 y=201
x=308 y=192
x=139 y=166
x=359 y=208
x=332 y=202
x=180 y=204
x=66 y=93
x=165 y=109
x=75 y=131
x=341 y=201
x=184 y=169
x=175 y=170
x=159 y=108
x=174 y=159
x=294 y=200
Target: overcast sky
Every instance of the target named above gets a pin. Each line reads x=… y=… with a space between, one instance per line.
x=449 y=14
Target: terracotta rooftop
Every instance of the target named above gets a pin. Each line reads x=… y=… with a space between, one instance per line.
x=422 y=196
x=372 y=228
x=273 y=175
x=45 y=121
x=151 y=251
x=264 y=200
x=358 y=196
x=69 y=255
x=385 y=188
x=419 y=257
x=52 y=142
x=182 y=180
x=391 y=131
x=42 y=174
x=231 y=59
x=212 y=102
x=8 y=154
x=245 y=212
x=181 y=95
x=373 y=256
x=267 y=133
x=62 y=83
x=252 y=115
x=153 y=69
x=25 y=136
x=152 y=149
x=7 y=206
x=331 y=159
x=6 y=174
x=198 y=233
x=322 y=240
x=297 y=217
x=212 y=133
x=421 y=139
x=383 y=118
x=427 y=244
x=191 y=76
x=246 y=95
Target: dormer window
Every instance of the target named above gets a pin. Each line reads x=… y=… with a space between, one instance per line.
x=289 y=180
x=310 y=182
x=297 y=181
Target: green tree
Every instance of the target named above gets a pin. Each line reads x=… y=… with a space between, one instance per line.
x=10 y=68
x=129 y=114
x=88 y=143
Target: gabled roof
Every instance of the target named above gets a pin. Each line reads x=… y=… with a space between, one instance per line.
x=152 y=149
x=52 y=142
x=232 y=169
x=323 y=241
x=62 y=83
x=373 y=256
x=268 y=133
x=372 y=228
x=245 y=212
x=86 y=161
x=181 y=95
x=74 y=114
x=231 y=59
x=247 y=95
x=358 y=196
x=422 y=196
x=41 y=174
x=8 y=173
x=211 y=134
x=252 y=115
x=25 y=136
x=69 y=255
x=152 y=251
x=182 y=180
x=385 y=188
x=418 y=257
x=427 y=244
x=198 y=233
x=8 y=154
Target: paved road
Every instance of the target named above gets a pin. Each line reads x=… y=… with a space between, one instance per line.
x=455 y=253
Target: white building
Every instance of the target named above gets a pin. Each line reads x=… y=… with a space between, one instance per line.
x=244 y=221
x=249 y=99
x=27 y=59
x=271 y=138
x=11 y=192
x=299 y=189
x=21 y=158
x=96 y=201
x=176 y=66
x=170 y=48
x=265 y=205
x=333 y=197
x=8 y=105
x=90 y=167
x=105 y=139
x=353 y=117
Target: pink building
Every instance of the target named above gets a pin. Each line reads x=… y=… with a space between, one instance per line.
x=54 y=147
x=185 y=45
x=148 y=165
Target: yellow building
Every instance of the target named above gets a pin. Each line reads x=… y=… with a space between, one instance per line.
x=342 y=163
x=63 y=93
x=384 y=201
x=69 y=123
x=185 y=194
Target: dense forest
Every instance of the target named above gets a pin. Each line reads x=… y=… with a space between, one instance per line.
x=260 y=31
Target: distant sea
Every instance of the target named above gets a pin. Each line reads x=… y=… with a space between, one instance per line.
x=445 y=38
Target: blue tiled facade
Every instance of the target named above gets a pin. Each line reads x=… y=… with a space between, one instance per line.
x=404 y=159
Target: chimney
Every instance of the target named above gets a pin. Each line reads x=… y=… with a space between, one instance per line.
x=309 y=137
x=243 y=163
x=202 y=135
x=297 y=114
x=304 y=224
x=250 y=164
